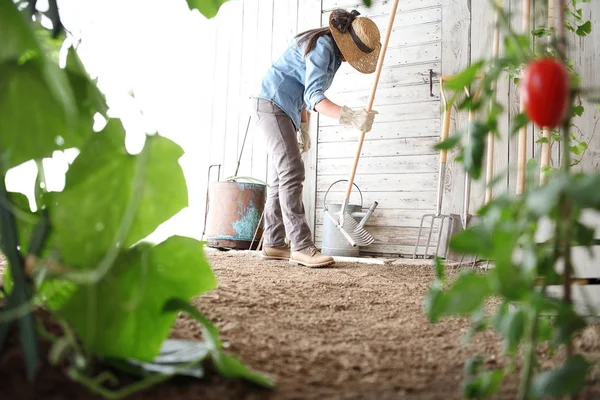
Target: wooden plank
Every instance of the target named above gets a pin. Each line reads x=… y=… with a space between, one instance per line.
x=379 y=6
x=382 y=165
x=380 y=17
x=309 y=16
x=349 y=80
x=379 y=148
x=396 y=217
x=391 y=113
x=382 y=130
x=389 y=96
x=232 y=135
x=386 y=200
x=263 y=58
x=221 y=85
x=456 y=53
x=386 y=251
x=411 y=182
x=397 y=236
x=248 y=82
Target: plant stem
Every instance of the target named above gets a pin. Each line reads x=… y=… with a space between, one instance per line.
x=529 y=356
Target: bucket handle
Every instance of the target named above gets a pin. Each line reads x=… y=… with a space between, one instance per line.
x=342 y=180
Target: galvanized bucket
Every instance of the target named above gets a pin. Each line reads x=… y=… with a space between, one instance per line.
x=234 y=213
x=334 y=242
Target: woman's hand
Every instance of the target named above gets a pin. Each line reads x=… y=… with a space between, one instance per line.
x=360 y=119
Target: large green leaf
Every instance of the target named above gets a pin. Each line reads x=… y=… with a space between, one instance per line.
x=123 y=316
x=567 y=379
x=104 y=182
x=21 y=42
x=87 y=95
x=33 y=123
x=208 y=8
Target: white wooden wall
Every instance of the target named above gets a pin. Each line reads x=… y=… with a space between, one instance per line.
x=398 y=167
x=248 y=35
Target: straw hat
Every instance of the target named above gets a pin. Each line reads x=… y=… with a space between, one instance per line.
x=358 y=39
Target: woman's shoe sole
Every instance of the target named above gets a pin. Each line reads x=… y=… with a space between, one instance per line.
x=321 y=265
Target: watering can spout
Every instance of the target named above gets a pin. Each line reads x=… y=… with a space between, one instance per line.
x=364 y=220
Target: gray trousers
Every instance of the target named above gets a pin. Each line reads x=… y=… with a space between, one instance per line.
x=284 y=209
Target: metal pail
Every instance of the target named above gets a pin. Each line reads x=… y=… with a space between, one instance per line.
x=234 y=213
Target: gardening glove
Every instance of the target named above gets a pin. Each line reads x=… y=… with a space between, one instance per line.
x=303 y=138
x=360 y=119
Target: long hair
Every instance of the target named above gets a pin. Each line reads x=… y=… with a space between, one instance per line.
x=340 y=20
x=310 y=37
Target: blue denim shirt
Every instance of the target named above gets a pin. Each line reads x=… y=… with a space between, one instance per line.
x=295 y=82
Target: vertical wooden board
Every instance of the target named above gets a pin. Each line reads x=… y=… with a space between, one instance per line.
x=248 y=82
x=232 y=122
x=456 y=52
x=482 y=43
x=263 y=58
x=221 y=85
x=516 y=10
x=309 y=17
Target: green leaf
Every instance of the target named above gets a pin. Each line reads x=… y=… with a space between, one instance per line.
x=583 y=234
x=579 y=148
x=519 y=121
x=464 y=78
x=567 y=323
x=474 y=150
x=448 y=144
x=578 y=110
x=27 y=105
x=208 y=8
x=90 y=100
x=474 y=365
x=122 y=316
x=484 y=385
x=583 y=190
x=227 y=365
x=102 y=184
x=464 y=297
x=471 y=241
x=439 y=269
x=512 y=327
x=21 y=44
x=367 y=3
x=542 y=140
x=584 y=29
x=545 y=198
x=565 y=380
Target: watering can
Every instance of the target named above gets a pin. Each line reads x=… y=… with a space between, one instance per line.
x=334 y=242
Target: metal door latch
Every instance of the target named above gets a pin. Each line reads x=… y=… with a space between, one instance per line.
x=431 y=83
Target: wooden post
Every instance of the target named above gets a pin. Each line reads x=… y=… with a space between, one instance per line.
x=522 y=144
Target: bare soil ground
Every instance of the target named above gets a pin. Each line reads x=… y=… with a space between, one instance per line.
x=353 y=331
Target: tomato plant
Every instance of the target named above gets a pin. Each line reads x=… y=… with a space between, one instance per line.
x=507 y=228
x=545 y=91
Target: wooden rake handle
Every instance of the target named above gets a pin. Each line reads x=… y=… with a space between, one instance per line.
x=372 y=96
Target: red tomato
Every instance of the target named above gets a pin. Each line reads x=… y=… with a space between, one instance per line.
x=545 y=90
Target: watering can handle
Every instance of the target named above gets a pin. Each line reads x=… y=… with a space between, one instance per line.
x=341 y=180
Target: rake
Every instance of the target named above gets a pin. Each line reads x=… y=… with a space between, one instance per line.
x=354 y=232
x=441 y=179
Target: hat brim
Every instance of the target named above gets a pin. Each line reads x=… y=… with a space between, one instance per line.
x=362 y=62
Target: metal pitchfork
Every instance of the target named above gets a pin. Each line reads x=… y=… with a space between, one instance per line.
x=442 y=175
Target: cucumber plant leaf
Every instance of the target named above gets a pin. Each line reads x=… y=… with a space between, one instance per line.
x=122 y=315
x=208 y=8
x=102 y=184
x=567 y=379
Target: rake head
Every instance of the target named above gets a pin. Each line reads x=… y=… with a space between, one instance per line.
x=352 y=231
